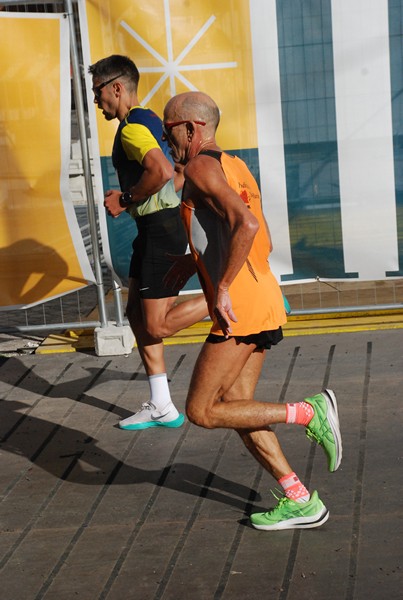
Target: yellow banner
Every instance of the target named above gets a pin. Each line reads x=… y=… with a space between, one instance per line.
x=41 y=254
x=180 y=46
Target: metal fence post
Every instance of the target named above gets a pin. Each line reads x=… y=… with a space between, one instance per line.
x=78 y=96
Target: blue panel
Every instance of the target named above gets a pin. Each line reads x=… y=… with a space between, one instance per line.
x=309 y=123
x=396 y=73
x=121 y=231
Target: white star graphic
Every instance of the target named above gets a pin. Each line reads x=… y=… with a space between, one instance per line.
x=172 y=67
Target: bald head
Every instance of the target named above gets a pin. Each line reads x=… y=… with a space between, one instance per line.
x=193 y=106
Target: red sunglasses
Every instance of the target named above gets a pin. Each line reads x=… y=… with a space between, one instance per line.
x=167 y=126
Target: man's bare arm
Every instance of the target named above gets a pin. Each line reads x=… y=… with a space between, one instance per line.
x=157 y=172
x=212 y=189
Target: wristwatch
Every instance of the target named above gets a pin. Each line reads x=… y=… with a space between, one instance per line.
x=125 y=199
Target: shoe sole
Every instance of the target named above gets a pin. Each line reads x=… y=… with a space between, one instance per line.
x=148 y=424
x=297 y=523
x=333 y=418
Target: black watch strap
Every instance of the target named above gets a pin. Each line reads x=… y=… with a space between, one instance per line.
x=125 y=199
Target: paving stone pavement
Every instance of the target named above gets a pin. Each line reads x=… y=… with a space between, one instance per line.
x=89 y=511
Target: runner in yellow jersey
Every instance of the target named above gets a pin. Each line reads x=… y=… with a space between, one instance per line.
x=145 y=171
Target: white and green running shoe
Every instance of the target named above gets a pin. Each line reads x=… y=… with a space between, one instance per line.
x=148 y=416
x=289 y=514
x=324 y=427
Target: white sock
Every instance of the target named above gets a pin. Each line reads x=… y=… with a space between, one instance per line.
x=159 y=388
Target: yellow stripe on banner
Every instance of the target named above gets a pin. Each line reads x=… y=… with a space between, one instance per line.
x=318 y=325
x=38 y=257
x=196 y=334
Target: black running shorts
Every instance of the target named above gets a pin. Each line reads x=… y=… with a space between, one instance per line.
x=159 y=234
x=263 y=340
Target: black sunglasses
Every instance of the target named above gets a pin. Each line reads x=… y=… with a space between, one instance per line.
x=98 y=88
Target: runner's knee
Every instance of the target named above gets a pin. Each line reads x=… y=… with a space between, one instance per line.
x=202 y=418
x=156 y=328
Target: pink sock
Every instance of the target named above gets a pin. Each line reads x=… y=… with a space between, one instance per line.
x=293 y=488
x=300 y=413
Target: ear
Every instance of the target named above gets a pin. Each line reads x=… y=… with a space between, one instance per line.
x=190 y=129
x=117 y=88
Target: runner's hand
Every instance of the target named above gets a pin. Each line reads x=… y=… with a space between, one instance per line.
x=223 y=312
x=111 y=203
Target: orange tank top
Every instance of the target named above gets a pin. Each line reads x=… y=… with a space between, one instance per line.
x=255 y=294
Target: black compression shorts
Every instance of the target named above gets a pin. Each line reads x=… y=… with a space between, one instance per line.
x=263 y=340
x=159 y=234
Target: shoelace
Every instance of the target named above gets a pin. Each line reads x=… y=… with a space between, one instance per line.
x=312 y=436
x=146 y=406
x=281 y=499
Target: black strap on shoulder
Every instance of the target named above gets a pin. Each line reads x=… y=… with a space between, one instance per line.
x=213 y=153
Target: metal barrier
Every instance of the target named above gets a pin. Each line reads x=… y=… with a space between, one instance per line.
x=62 y=305
x=87 y=308
x=344 y=296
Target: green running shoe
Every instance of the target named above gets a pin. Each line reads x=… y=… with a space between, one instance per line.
x=324 y=427
x=289 y=514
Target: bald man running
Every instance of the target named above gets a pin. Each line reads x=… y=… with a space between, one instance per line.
x=230 y=243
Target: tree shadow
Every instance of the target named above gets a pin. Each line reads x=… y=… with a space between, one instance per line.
x=32 y=272
x=76 y=391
